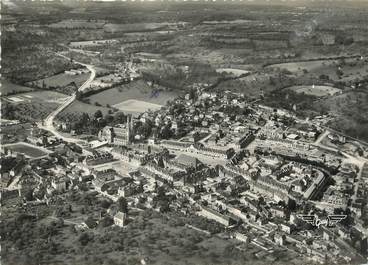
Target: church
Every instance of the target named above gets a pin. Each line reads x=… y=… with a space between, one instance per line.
x=119 y=135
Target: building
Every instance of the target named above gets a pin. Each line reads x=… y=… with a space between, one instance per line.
x=120 y=219
x=188 y=161
x=216 y=216
x=241 y=237
x=120 y=135
x=59 y=184
x=98 y=158
x=246 y=140
x=316 y=186
x=279 y=239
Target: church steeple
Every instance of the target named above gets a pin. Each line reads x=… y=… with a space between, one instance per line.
x=129 y=128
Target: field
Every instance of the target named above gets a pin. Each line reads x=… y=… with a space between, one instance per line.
x=8 y=88
x=82 y=44
x=75 y=110
x=77 y=24
x=27 y=149
x=233 y=71
x=297 y=67
x=136 y=106
x=318 y=91
x=31 y=106
x=138 y=90
x=351 y=112
x=251 y=85
x=235 y=21
x=136 y=27
x=60 y=80
x=38 y=96
x=337 y=70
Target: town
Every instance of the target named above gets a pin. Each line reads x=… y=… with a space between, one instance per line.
x=252 y=169
x=184 y=132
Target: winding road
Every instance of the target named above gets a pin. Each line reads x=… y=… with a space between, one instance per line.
x=48 y=123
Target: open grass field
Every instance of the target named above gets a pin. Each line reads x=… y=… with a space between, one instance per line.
x=77 y=24
x=136 y=106
x=60 y=80
x=297 y=67
x=233 y=71
x=88 y=43
x=235 y=21
x=110 y=27
x=318 y=91
x=33 y=106
x=27 y=149
x=8 y=88
x=78 y=107
x=351 y=69
x=38 y=96
x=138 y=90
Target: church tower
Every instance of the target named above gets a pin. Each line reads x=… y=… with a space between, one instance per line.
x=129 y=129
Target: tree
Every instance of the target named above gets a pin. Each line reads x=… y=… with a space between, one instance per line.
x=122 y=205
x=105 y=204
x=98 y=114
x=28 y=195
x=119 y=118
x=84 y=239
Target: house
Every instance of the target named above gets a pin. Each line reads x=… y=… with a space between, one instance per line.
x=286 y=228
x=277 y=211
x=120 y=219
x=343 y=232
x=241 y=237
x=279 y=239
x=246 y=140
x=109 y=185
x=328 y=235
x=59 y=184
x=90 y=223
x=86 y=178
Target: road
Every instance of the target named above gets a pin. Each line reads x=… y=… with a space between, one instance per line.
x=348 y=158
x=48 y=123
x=321 y=137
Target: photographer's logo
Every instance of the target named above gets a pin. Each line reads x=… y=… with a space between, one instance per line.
x=329 y=222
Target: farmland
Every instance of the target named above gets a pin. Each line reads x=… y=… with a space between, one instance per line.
x=138 y=90
x=337 y=70
x=38 y=96
x=139 y=26
x=232 y=71
x=60 y=80
x=298 y=67
x=8 y=88
x=27 y=149
x=83 y=44
x=31 y=106
x=318 y=91
x=77 y=24
x=133 y=106
x=75 y=110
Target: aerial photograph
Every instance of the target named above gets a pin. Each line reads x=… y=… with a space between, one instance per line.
x=184 y=132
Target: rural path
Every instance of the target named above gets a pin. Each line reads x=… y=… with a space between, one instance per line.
x=48 y=123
